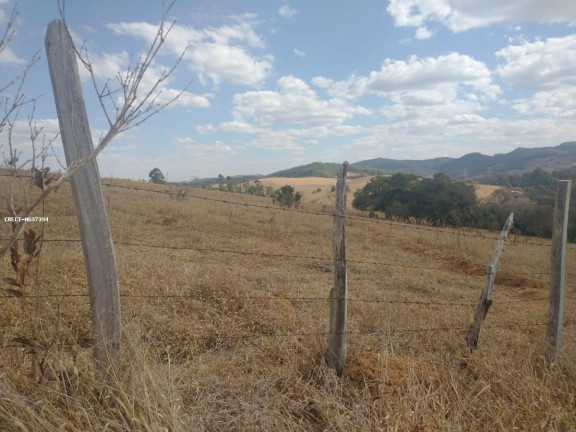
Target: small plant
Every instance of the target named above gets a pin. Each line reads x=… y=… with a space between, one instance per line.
x=178 y=195
x=373 y=214
x=21 y=265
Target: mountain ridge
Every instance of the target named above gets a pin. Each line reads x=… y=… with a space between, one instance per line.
x=476 y=165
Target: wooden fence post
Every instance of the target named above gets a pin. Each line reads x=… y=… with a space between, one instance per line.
x=557 y=267
x=486 y=297
x=99 y=256
x=338 y=293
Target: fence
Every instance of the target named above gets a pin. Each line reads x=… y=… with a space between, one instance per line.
x=458 y=328
x=99 y=254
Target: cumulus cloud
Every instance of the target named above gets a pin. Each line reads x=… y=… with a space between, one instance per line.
x=462 y=15
x=216 y=53
x=349 y=88
x=295 y=103
x=419 y=81
x=424 y=33
x=428 y=73
x=560 y=103
x=287 y=12
x=545 y=67
x=539 y=65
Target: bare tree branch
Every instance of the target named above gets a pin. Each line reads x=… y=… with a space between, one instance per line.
x=131 y=105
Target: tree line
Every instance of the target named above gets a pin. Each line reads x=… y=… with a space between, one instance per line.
x=442 y=201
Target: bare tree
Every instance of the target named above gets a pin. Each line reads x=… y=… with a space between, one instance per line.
x=125 y=101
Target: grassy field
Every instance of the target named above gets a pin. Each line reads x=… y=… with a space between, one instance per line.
x=225 y=340
x=316 y=190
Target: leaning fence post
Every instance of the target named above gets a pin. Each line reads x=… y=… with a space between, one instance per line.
x=99 y=256
x=486 y=297
x=338 y=294
x=557 y=267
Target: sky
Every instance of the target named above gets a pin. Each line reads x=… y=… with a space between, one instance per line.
x=276 y=84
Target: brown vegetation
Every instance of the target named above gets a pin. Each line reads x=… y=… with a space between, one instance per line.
x=218 y=341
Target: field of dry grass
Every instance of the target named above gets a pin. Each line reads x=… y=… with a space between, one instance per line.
x=218 y=335
x=316 y=190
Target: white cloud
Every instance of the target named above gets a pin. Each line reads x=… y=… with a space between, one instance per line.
x=287 y=12
x=539 y=65
x=546 y=68
x=7 y=57
x=217 y=53
x=424 y=33
x=462 y=15
x=429 y=72
x=349 y=88
x=299 y=53
x=419 y=81
x=204 y=129
x=238 y=127
x=48 y=128
x=295 y=140
x=295 y=103
x=459 y=136
x=559 y=103
x=228 y=63
x=108 y=66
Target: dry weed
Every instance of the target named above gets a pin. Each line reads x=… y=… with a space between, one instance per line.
x=224 y=341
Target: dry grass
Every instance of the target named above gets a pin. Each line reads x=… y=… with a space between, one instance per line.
x=316 y=190
x=484 y=192
x=220 y=362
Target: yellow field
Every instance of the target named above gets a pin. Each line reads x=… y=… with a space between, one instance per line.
x=308 y=187
x=484 y=192
x=225 y=326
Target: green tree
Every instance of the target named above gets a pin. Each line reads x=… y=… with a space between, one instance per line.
x=439 y=200
x=156 y=176
x=286 y=196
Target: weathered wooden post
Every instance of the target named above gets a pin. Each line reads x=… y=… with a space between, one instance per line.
x=338 y=294
x=486 y=297
x=99 y=256
x=558 y=267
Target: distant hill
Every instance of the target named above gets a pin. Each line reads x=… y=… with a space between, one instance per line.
x=471 y=166
x=475 y=165
x=424 y=168
x=327 y=170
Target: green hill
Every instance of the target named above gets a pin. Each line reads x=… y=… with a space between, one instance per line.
x=321 y=169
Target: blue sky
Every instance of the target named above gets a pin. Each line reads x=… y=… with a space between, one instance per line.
x=275 y=84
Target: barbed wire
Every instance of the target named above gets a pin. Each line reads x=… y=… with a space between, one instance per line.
x=272 y=298
x=363 y=219
x=389 y=331
x=278 y=255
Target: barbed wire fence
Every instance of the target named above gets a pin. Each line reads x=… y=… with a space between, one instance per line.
x=169 y=297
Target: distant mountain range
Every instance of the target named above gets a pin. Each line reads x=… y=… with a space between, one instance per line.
x=470 y=166
x=475 y=165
